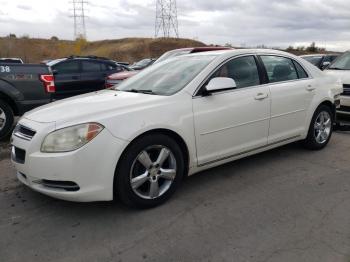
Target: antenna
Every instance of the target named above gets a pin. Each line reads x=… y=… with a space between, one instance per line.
x=166 y=18
x=79 y=18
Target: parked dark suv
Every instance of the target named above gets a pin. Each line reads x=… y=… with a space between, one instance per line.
x=77 y=75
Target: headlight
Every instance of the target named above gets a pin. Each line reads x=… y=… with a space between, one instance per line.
x=70 y=138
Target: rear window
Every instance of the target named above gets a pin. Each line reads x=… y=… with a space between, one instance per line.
x=91 y=66
x=279 y=69
x=300 y=70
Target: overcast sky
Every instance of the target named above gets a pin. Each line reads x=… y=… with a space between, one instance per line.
x=276 y=23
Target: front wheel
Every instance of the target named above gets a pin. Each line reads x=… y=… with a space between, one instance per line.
x=149 y=171
x=6 y=119
x=321 y=128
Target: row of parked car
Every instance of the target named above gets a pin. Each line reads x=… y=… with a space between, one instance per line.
x=27 y=86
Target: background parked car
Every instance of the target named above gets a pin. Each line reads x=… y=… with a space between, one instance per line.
x=142 y=64
x=11 y=60
x=117 y=78
x=321 y=60
x=341 y=69
x=22 y=88
x=77 y=75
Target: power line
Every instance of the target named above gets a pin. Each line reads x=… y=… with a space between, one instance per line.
x=166 y=18
x=79 y=18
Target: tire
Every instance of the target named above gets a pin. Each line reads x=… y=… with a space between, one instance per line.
x=320 y=132
x=140 y=168
x=6 y=119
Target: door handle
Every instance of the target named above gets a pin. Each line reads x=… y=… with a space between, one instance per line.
x=261 y=96
x=310 y=88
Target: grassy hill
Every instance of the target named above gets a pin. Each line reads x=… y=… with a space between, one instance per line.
x=128 y=49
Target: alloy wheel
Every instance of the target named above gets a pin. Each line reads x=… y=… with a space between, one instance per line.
x=322 y=127
x=2 y=119
x=153 y=172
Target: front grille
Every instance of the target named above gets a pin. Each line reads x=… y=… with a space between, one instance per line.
x=346 y=90
x=24 y=132
x=18 y=155
x=344 y=108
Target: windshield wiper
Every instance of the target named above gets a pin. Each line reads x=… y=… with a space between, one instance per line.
x=142 y=91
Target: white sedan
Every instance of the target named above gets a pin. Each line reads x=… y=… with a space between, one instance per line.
x=176 y=118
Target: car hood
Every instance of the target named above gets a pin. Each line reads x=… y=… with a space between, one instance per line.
x=92 y=107
x=343 y=75
x=122 y=75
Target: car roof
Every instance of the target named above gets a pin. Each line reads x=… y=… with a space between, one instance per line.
x=230 y=52
x=309 y=55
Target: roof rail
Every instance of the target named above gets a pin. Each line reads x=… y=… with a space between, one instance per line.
x=88 y=56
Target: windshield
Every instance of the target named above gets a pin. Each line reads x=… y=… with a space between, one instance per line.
x=142 y=62
x=168 y=77
x=315 y=60
x=53 y=62
x=341 y=63
x=171 y=54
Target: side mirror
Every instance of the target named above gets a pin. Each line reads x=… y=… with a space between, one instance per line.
x=220 y=83
x=325 y=64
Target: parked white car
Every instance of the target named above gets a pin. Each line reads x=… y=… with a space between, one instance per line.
x=178 y=117
x=340 y=68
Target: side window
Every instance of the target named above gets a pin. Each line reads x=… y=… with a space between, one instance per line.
x=67 y=67
x=279 y=68
x=91 y=66
x=243 y=70
x=108 y=67
x=327 y=59
x=332 y=58
x=301 y=72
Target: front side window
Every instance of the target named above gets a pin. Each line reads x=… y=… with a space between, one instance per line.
x=67 y=67
x=279 y=69
x=243 y=70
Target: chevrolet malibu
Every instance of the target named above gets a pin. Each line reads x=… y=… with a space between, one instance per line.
x=184 y=115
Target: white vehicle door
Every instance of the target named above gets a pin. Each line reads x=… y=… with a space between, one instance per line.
x=291 y=95
x=232 y=122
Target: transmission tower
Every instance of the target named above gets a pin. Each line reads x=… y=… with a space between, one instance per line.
x=79 y=18
x=166 y=18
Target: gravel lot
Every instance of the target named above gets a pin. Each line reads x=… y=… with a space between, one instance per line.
x=288 y=204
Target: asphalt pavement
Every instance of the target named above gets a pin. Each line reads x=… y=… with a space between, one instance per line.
x=288 y=204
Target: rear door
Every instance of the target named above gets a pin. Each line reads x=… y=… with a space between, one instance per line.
x=291 y=93
x=67 y=78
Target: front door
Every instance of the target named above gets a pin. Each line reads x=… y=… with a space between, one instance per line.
x=236 y=121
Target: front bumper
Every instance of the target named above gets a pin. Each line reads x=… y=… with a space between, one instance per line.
x=91 y=168
x=344 y=105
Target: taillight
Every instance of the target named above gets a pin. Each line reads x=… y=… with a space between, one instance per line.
x=49 y=83
x=108 y=85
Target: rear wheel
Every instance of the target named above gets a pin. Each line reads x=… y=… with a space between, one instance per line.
x=321 y=128
x=149 y=171
x=6 y=119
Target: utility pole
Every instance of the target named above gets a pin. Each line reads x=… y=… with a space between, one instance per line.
x=79 y=18
x=166 y=19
